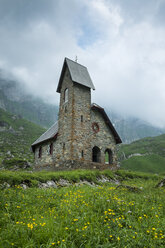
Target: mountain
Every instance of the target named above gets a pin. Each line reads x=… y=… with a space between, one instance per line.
x=146 y=155
x=131 y=128
x=15 y=99
x=16 y=137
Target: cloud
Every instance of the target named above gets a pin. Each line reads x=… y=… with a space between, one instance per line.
x=120 y=42
x=133 y=72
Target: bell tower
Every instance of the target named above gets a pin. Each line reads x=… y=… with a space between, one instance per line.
x=74 y=112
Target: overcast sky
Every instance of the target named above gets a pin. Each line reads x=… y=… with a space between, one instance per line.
x=121 y=42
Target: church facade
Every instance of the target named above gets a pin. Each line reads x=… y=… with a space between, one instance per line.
x=83 y=136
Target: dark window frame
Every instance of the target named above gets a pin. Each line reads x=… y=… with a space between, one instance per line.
x=40 y=152
x=82 y=154
x=51 y=149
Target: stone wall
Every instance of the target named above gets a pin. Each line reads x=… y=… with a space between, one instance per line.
x=103 y=139
x=81 y=122
x=73 y=165
x=46 y=157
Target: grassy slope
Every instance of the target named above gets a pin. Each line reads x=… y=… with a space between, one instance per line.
x=147 y=145
x=18 y=177
x=151 y=163
x=102 y=217
x=153 y=150
x=17 y=137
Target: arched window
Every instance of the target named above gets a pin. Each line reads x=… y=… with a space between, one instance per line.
x=40 y=152
x=51 y=149
x=66 y=95
x=96 y=154
x=108 y=156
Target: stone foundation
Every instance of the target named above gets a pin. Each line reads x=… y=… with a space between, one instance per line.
x=75 y=164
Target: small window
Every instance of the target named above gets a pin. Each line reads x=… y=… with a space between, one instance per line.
x=81 y=118
x=40 y=152
x=82 y=153
x=65 y=109
x=51 y=149
x=66 y=95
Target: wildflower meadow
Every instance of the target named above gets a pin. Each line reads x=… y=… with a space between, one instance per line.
x=101 y=216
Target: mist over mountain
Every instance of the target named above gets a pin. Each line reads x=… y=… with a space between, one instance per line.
x=132 y=128
x=15 y=99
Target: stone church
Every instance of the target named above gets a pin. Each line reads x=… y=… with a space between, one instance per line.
x=83 y=136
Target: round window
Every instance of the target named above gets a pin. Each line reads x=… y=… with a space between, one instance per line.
x=95 y=127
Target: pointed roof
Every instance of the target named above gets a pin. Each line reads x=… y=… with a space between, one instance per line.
x=49 y=134
x=79 y=74
x=96 y=107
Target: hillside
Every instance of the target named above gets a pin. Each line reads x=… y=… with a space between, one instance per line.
x=15 y=99
x=147 y=155
x=16 y=137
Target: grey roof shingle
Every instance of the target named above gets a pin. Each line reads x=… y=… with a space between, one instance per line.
x=79 y=74
x=50 y=133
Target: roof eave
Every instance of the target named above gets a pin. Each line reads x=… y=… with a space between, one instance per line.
x=61 y=77
x=43 y=141
x=93 y=88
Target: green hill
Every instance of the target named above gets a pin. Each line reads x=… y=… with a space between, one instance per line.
x=16 y=137
x=146 y=155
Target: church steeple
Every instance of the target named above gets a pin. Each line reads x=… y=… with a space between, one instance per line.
x=74 y=87
x=79 y=74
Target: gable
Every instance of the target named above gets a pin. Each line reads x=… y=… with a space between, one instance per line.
x=106 y=119
x=79 y=74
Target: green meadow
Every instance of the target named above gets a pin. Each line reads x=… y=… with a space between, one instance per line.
x=105 y=215
x=145 y=155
